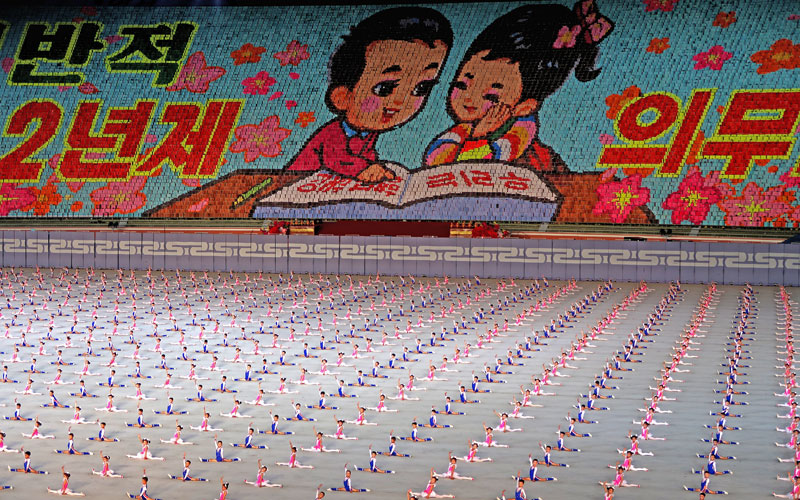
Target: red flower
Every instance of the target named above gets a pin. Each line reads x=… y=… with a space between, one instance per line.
x=14 y=198
x=725 y=19
x=662 y=5
x=794 y=215
x=88 y=88
x=693 y=199
x=616 y=102
x=783 y=54
x=304 y=118
x=247 y=53
x=619 y=198
x=658 y=45
x=45 y=197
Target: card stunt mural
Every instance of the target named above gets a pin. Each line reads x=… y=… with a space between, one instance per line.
x=659 y=111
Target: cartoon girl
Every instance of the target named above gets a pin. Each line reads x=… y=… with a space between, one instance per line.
x=502 y=82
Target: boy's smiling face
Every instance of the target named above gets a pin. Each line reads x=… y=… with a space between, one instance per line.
x=482 y=84
x=397 y=79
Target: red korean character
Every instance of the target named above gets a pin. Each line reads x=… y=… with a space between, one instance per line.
x=442 y=180
x=389 y=188
x=312 y=184
x=45 y=116
x=334 y=184
x=755 y=125
x=359 y=186
x=478 y=177
x=121 y=134
x=197 y=143
x=666 y=113
x=515 y=182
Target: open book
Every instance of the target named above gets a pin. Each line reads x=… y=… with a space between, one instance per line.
x=478 y=190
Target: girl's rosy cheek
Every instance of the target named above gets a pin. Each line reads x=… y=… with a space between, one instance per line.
x=370 y=104
x=455 y=94
x=486 y=106
x=418 y=103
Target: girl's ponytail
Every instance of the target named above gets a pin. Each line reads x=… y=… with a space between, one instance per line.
x=585 y=70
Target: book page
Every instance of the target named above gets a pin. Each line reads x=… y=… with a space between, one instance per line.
x=478 y=179
x=324 y=187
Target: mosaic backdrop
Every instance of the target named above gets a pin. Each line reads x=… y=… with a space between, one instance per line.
x=653 y=111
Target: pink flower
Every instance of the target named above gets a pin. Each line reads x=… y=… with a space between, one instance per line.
x=199 y=206
x=120 y=197
x=662 y=5
x=713 y=181
x=794 y=216
x=619 y=198
x=606 y=139
x=714 y=58
x=692 y=200
x=259 y=84
x=295 y=53
x=14 y=198
x=259 y=140
x=790 y=180
x=755 y=206
x=195 y=76
x=566 y=37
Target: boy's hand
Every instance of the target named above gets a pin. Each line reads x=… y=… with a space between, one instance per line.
x=375 y=173
x=492 y=120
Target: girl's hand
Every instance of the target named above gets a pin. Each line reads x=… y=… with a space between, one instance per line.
x=492 y=120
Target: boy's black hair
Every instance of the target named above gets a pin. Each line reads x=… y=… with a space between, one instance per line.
x=400 y=23
x=526 y=35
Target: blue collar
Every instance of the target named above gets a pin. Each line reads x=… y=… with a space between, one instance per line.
x=350 y=131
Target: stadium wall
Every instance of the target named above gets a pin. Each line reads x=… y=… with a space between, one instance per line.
x=653 y=261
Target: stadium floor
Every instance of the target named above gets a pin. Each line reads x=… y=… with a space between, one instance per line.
x=754 y=471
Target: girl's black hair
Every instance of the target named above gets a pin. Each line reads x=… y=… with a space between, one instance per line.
x=400 y=23
x=526 y=35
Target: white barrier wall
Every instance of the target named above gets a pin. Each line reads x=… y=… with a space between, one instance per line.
x=656 y=261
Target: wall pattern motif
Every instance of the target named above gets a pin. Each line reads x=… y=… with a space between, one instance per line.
x=730 y=263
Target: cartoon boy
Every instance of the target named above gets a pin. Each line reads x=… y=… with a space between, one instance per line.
x=380 y=78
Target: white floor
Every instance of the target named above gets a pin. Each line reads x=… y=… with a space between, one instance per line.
x=754 y=473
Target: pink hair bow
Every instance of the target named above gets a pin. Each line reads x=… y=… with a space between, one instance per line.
x=595 y=26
